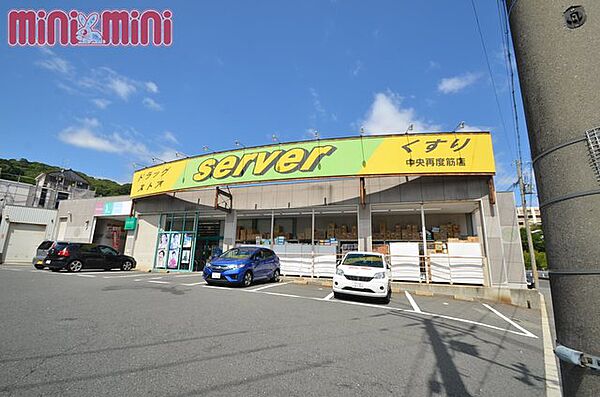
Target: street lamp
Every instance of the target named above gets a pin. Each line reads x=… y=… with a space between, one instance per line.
x=459 y=126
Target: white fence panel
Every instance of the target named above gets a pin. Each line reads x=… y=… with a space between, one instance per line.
x=466 y=263
x=440 y=268
x=404 y=258
x=295 y=265
x=325 y=265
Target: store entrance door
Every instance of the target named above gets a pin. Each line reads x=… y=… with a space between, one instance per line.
x=208 y=243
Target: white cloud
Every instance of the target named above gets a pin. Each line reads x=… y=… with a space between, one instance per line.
x=452 y=85
x=101 y=103
x=505 y=175
x=358 y=67
x=55 y=63
x=85 y=134
x=387 y=116
x=152 y=104
x=151 y=87
x=316 y=101
x=472 y=128
x=168 y=155
x=97 y=81
x=121 y=87
x=169 y=136
x=433 y=65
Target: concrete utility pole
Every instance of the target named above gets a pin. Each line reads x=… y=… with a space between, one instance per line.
x=557 y=46
x=536 y=278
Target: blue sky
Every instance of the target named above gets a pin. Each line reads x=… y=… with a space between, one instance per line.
x=244 y=71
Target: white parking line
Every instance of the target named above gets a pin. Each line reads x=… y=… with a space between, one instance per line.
x=414 y=305
x=192 y=284
x=502 y=316
x=158 y=282
x=523 y=332
x=85 y=275
x=129 y=275
x=280 y=294
x=189 y=275
x=269 y=286
x=328 y=297
x=216 y=287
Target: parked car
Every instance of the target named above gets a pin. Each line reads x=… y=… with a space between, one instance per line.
x=364 y=274
x=41 y=252
x=242 y=266
x=529 y=279
x=76 y=256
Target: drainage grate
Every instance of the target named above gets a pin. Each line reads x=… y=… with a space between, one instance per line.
x=593 y=139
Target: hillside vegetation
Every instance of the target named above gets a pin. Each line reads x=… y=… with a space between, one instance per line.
x=26 y=171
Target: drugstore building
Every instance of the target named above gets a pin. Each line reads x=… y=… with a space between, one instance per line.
x=426 y=200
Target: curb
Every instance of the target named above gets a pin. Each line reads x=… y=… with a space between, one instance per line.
x=467 y=293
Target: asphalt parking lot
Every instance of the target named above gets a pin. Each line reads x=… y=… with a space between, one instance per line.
x=119 y=333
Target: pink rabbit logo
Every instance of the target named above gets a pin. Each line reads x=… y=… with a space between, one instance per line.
x=86 y=34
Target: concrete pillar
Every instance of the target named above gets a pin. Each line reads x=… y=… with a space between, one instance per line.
x=230 y=230
x=365 y=238
x=129 y=242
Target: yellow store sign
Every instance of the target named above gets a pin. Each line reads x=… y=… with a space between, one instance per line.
x=409 y=154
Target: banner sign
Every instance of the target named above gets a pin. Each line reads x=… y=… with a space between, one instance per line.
x=409 y=154
x=112 y=208
x=130 y=223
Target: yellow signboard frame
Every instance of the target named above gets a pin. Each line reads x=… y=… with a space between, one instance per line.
x=454 y=153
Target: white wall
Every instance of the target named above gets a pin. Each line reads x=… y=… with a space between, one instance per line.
x=145 y=241
x=28 y=215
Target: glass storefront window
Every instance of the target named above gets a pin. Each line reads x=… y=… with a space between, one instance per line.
x=293 y=228
x=396 y=226
x=338 y=228
x=176 y=241
x=253 y=230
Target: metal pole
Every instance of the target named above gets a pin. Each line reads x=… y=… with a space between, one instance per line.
x=557 y=55
x=272 y=228
x=424 y=237
x=536 y=280
x=312 y=237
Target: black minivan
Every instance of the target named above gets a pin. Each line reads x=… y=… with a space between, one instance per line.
x=76 y=256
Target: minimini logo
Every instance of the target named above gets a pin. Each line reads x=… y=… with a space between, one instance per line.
x=75 y=28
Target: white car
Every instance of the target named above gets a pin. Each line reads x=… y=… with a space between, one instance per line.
x=364 y=274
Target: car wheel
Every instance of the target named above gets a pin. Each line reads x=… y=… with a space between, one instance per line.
x=247 y=281
x=388 y=297
x=38 y=267
x=275 y=277
x=127 y=266
x=75 y=266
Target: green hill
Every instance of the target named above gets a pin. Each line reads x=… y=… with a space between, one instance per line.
x=25 y=171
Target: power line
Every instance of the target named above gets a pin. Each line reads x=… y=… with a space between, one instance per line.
x=489 y=67
x=511 y=77
x=491 y=74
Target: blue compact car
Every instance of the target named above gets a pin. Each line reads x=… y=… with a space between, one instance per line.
x=242 y=266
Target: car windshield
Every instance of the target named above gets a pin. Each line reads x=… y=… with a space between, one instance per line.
x=363 y=260
x=238 y=253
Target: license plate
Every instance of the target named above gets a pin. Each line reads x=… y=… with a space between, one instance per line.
x=215 y=275
x=39 y=262
x=358 y=285
x=48 y=261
